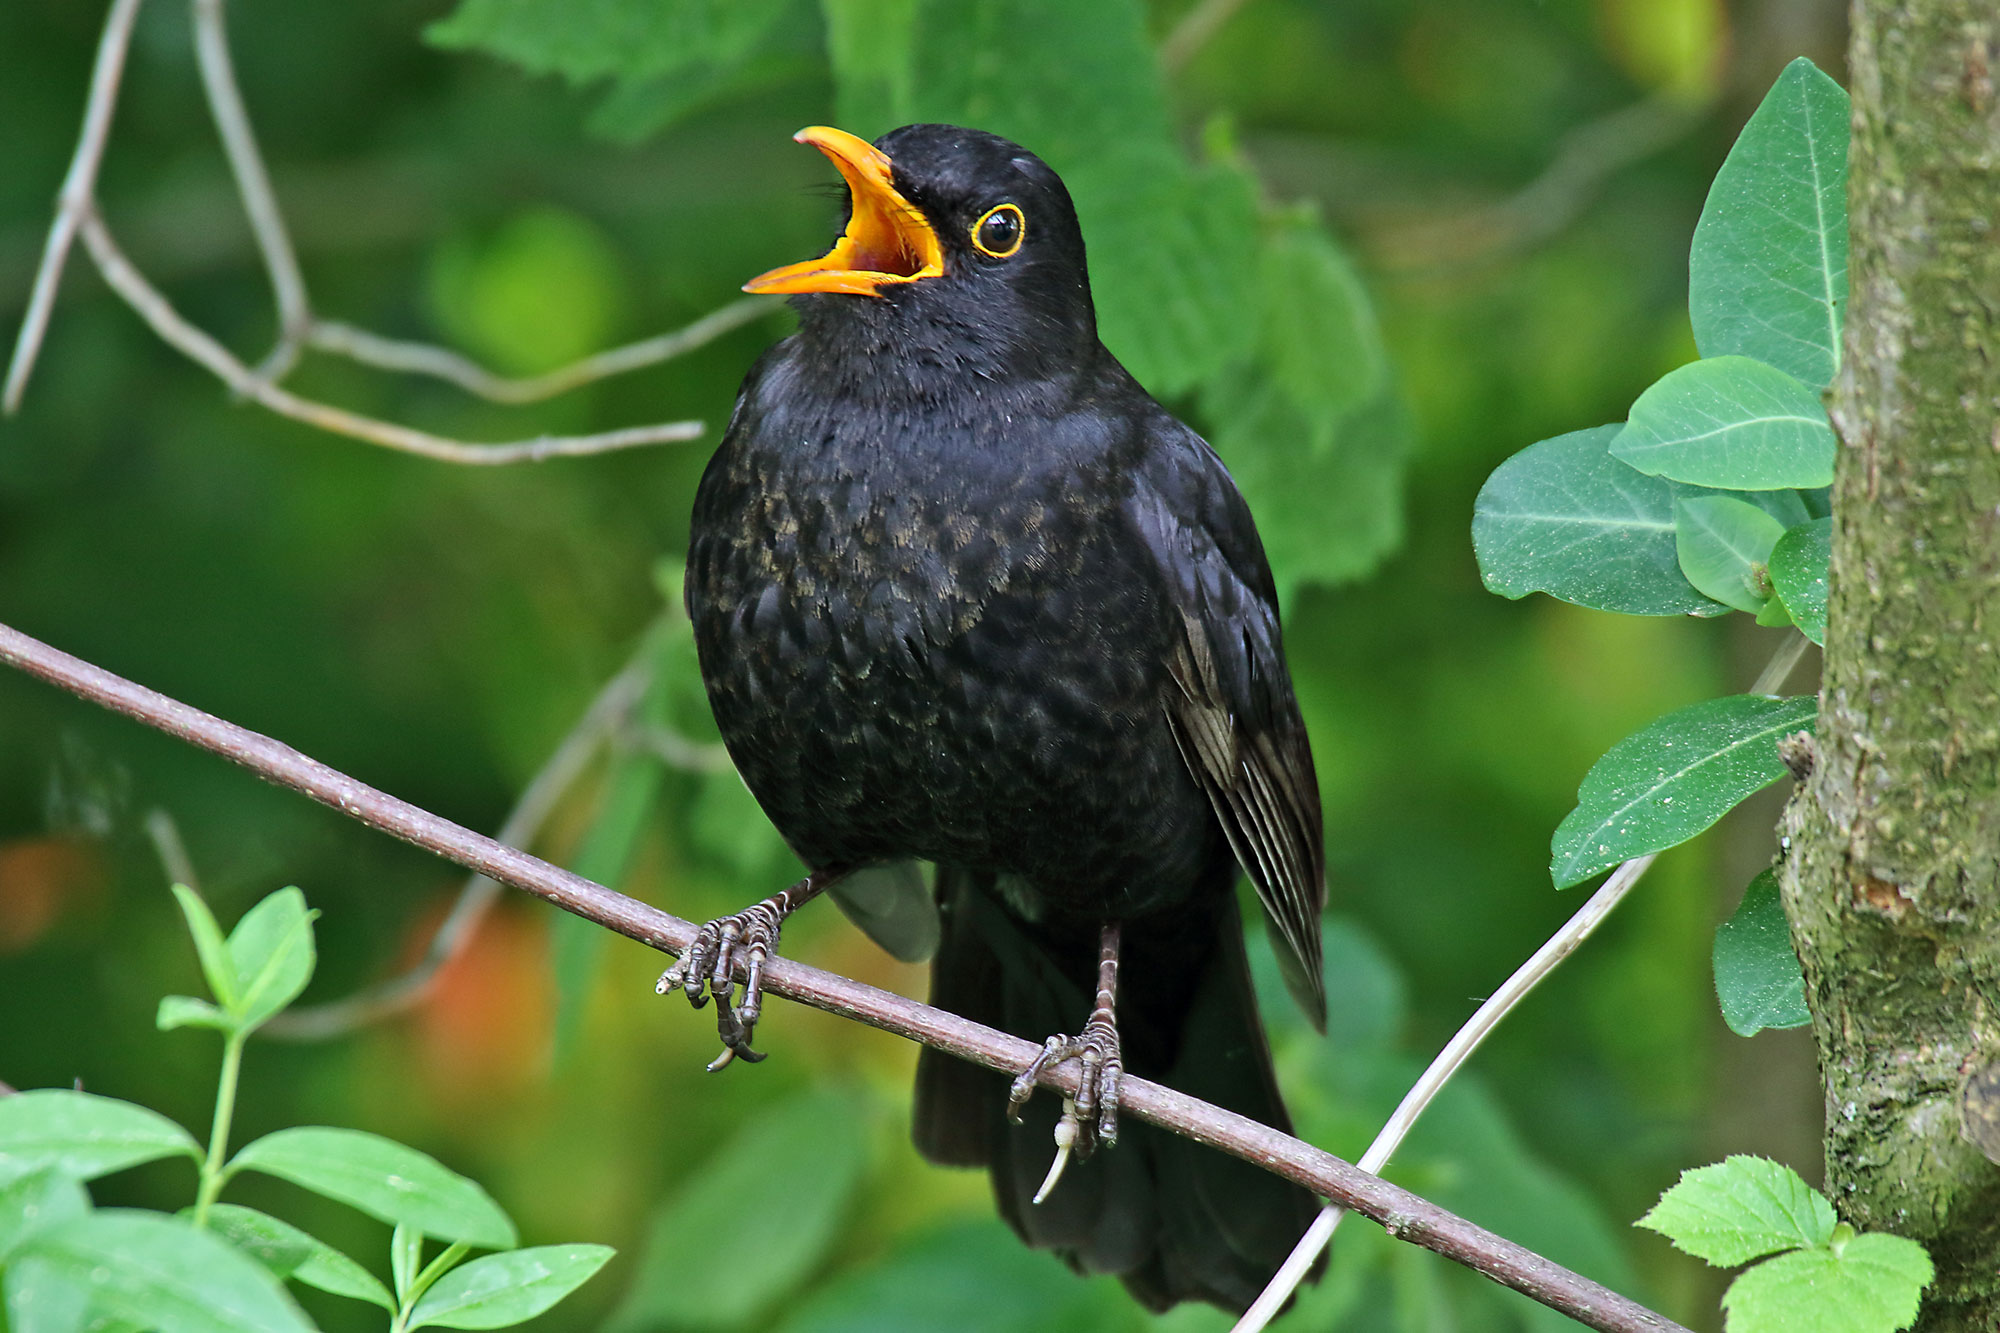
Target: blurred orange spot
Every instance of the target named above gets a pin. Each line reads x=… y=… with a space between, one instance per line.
x=485 y=1027
x=38 y=876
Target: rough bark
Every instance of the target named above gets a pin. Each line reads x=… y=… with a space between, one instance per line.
x=1893 y=884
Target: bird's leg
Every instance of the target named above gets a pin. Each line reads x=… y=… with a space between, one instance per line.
x=707 y=970
x=1091 y=1116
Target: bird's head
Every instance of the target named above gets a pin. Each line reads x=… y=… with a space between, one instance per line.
x=950 y=231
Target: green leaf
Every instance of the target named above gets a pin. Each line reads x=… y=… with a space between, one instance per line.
x=1798 y=567
x=44 y=1297
x=1767 y=276
x=1725 y=547
x=272 y=951
x=1566 y=518
x=504 y=1289
x=36 y=1200
x=1757 y=976
x=209 y=946
x=384 y=1179
x=291 y=1253
x=406 y=1257
x=1739 y=1209
x=795 y=1167
x=82 y=1135
x=1673 y=778
x=1870 y=1285
x=626 y=810
x=1730 y=422
x=163 y=1274
x=1318 y=333
x=184 y=1011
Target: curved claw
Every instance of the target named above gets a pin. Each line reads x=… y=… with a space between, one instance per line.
x=707 y=971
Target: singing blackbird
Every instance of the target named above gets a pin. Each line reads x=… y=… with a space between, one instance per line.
x=964 y=593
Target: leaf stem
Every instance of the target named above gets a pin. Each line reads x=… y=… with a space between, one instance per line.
x=213 y=1173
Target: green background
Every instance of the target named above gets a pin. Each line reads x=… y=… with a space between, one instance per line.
x=1514 y=184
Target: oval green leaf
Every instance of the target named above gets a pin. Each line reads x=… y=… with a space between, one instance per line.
x=1798 y=572
x=1566 y=518
x=291 y=1253
x=163 y=1274
x=1725 y=548
x=1730 y=422
x=272 y=952
x=82 y=1135
x=43 y=1298
x=1757 y=977
x=1767 y=276
x=504 y=1289
x=384 y=1179
x=36 y=1201
x=1670 y=780
x=209 y=946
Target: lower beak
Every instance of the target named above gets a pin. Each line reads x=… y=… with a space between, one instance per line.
x=888 y=239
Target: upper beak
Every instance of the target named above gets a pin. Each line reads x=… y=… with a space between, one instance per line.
x=887 y=240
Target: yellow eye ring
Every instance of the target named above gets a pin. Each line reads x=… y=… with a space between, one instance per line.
x=999 y=231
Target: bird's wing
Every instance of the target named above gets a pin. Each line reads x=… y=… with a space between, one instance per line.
x=1232 y=708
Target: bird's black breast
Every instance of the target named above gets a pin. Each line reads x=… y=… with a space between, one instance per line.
x=932 y=631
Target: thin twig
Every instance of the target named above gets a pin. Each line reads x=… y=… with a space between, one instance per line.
x=73 y=201
x=1467 y=1039
x=441 y=362
x=253 y=182
x=167 y=845
x=607 y=714
x=142 y=296
x=1193 y=31
x=1400 y=1212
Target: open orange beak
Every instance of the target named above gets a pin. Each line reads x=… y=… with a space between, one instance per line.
x=887 y=241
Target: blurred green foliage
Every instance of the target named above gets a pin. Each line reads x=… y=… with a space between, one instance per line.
x=436 y=631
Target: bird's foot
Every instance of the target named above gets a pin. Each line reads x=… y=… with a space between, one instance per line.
x=1090 y=1116
x=707 y=971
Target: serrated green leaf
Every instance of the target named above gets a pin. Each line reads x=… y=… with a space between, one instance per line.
x=1871 y=1286
x=1318 y=332
x=291 y=1253
x=1724 y=546
x=1566 y=518
x=1798 y=565
x=1757 y=976
x=504 y=1289
x=1730 y=422
x=384 y=1179
x=271 y=950
x=184 y=1011
x=44 y=1297
x=1767 y=276
x=163 y=1274
x=35 y=1200
x=802 y=1161
x=209 y=946
x=1740 y=1209
x=82 y=1135
x=1673 y=778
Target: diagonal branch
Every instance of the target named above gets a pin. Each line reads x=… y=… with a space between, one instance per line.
x=1403 y=1214
x=1467 y=1039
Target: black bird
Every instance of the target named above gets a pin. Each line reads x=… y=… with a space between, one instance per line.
x=964 y=593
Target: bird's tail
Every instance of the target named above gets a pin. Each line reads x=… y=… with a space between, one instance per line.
x=1175 y=1220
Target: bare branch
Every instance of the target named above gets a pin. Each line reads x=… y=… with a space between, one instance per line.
x=1467 y=1039
x=142 y=296
x=441 y=362
x=253 y=182
x=74 y=200
x=609 y=712
x=1403 y=1214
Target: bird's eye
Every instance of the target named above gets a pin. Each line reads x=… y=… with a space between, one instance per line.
x=999 y=231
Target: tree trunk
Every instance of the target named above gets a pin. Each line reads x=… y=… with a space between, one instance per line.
x=1893 y=882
